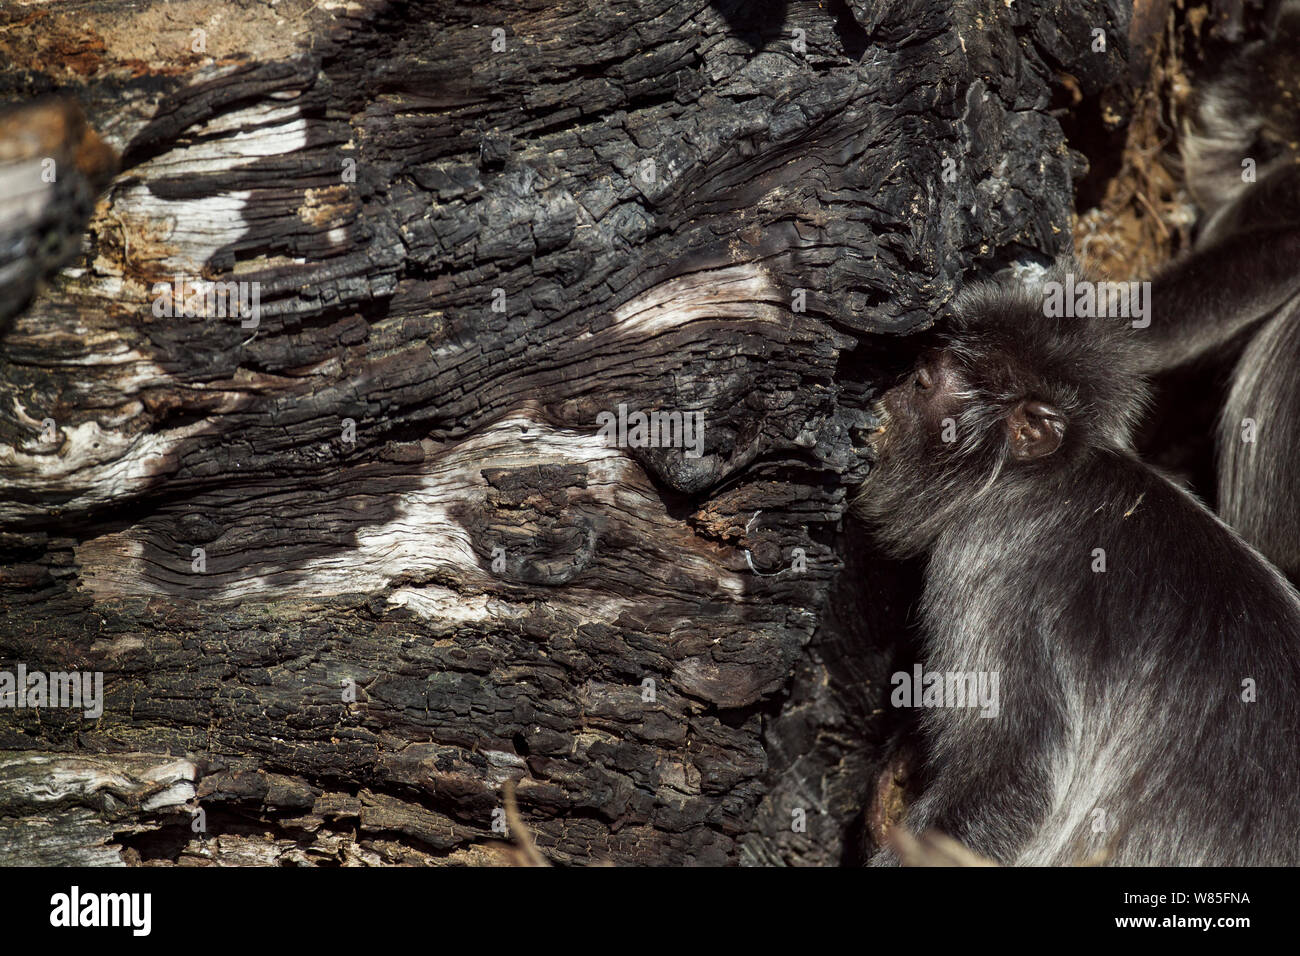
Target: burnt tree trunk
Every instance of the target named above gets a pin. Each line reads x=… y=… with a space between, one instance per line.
x=351 y=563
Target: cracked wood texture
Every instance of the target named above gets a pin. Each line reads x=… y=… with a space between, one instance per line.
x=350 y=561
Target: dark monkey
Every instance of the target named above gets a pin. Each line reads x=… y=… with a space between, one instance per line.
x=1149 y=691
x=1242 y=279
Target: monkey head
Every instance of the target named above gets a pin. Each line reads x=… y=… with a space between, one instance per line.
x=1005 y=396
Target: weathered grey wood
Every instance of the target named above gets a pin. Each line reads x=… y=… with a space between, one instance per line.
x=649 y=185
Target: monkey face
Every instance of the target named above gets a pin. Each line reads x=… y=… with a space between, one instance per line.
x=917 y=406
x=932 y=404
x=944 y=436
x=1004 y=395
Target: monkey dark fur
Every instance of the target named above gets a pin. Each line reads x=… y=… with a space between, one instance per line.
x=1148 y=659
x=1241 y=281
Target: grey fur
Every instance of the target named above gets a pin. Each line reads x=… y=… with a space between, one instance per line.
x=1243 y=279
x=1122 y=736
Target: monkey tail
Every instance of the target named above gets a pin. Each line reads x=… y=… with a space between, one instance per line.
x=1245 y=119
x=1286 y=21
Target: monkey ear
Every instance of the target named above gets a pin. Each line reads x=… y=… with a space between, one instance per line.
x=1034 y=430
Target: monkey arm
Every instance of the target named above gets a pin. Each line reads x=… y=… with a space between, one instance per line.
x=986 y=780
x=990 y=806
x=1202 y=301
